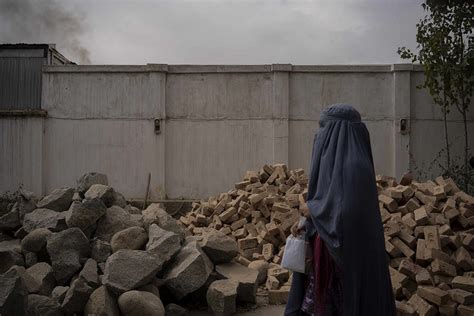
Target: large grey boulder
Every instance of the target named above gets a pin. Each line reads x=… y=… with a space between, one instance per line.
x=102 y=303
x=13 y=294
x=89 y=179
x=101 y=250
x=44 y=218
x=44 y=276
x=58 y=200
x=163 y=244
x=133 y=238
x=85 y=214
x=222 y=296
x=31 y=284
x=154 y=214
x=247 y=278
x=114 y=220
x=10 y=255
x=126 y=270
x=10 y=220
x=66 y=249
x=188 y=272
x=219 y=247
x=103 y=192
x=40 y=305
x=139 y=303
x=35 y=241
x=76 y=297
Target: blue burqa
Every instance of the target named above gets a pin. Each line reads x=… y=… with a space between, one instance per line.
x=343 y=203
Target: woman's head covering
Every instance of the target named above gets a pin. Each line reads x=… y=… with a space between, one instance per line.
x=343 y=203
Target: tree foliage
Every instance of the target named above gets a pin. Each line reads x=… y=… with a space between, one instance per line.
x=446 y=50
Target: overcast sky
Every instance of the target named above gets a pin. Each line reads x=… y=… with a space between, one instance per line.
x=216 y=31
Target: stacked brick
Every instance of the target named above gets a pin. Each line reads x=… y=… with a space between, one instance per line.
x=429 y=237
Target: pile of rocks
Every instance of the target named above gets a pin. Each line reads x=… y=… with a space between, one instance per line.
x=429 y=237
x=86 y=250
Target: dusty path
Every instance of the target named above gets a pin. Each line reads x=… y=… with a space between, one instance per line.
x=271 y=310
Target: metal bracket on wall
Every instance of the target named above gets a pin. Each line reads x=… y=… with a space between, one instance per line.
x=404 y=126
x=157 y=123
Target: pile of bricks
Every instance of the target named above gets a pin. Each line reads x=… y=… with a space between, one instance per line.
x=429 y=234
x=429 y=237
x=258 y=212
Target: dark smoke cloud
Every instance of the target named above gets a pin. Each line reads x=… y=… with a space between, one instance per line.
x=43 y=21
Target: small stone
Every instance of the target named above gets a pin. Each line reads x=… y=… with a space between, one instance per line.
x=281 y=274
x=66 y=249
x=59 y=292
x=36 y=240
x=58 y=200
x=101 y=250
x=130 y=238
x=89 y=179
x=89 y=273
x=246 y=277
x=76 y=297
x=103 y=192
x=219 y=247
x=138 y=303
x=43 y=274
x=272 y=283
x=102 y=303
x=129 y=269
x=40 y=305
x=175 y=310
x=278 y=297
x=85 y=214
x=221 y=297
x=262 y=267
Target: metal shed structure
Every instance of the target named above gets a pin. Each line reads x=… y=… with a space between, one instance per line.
x=20 y=74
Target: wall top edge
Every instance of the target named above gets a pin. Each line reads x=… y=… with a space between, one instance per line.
x=187 y=69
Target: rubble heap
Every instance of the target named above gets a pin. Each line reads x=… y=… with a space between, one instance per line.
x=429 y=237
x=86 y=250
x=428 y=231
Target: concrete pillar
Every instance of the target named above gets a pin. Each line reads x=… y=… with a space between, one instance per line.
x=281 y=101
x=157 y=84
x=401 y=111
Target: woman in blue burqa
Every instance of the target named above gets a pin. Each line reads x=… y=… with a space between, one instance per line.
x=349 y=267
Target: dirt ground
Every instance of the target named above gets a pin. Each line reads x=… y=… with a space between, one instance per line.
x=273 y=310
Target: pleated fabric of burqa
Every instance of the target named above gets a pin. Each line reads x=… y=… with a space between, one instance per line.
x=344 y=211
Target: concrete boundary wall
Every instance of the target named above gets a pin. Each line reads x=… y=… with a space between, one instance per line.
x=216 y=122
